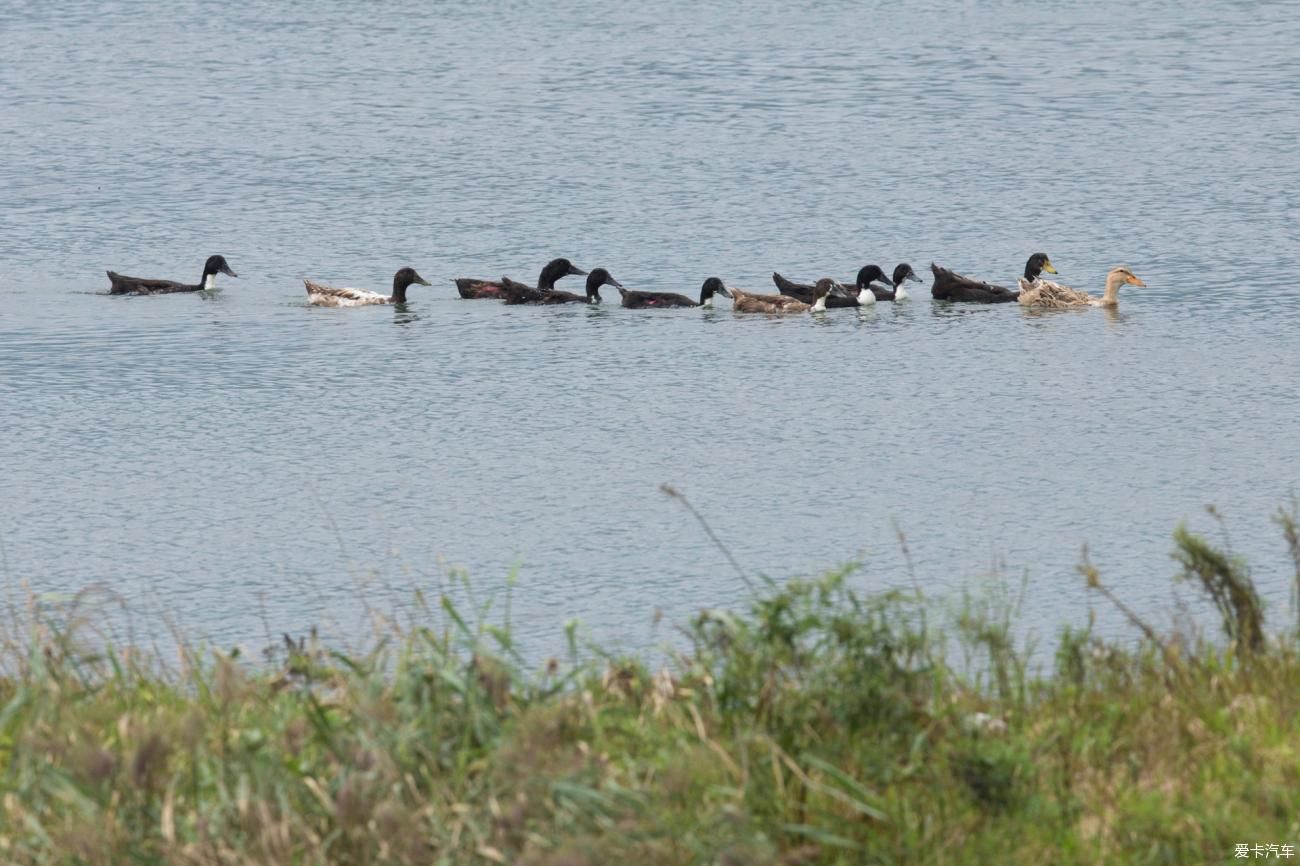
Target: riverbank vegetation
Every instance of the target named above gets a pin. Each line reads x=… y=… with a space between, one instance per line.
x=812 y=725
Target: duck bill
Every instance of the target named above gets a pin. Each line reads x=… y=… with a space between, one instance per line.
x=613 y=282
x=725 y=291
x=1137 y=281
x=225 y=269
x=1047 y=266
x=913 y=277
x=422 y=281
x=575 y=271
x=884 y=279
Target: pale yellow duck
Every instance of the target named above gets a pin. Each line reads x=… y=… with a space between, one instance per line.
x=747 y=302
x=1045 y=294
x=327 y=296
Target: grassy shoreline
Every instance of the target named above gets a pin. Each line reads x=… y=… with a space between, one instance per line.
x=814 y=725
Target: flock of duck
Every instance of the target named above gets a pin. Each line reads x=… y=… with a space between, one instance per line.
x=869 y=287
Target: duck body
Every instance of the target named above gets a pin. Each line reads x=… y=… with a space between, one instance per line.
x=746 y=302
x=552 y=272
x=321 y=295
x=806 y=293
x=1047 y=295
x=950 y=286
x=663 y=300
x=518 y=293
x=473 y=289
x=120 y=284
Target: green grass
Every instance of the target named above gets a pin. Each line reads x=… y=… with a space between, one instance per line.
x=814 y=725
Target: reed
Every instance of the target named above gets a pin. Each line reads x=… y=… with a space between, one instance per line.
x=815 y=724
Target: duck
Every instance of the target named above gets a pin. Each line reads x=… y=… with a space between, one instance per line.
x=119 y=284
x=472 y=288
x=902 y=274
x=746 y=302
x=656 y=300
x=552 y=272
x=326 y=296
x=1045 y=294
x=518 y=293
x=839 y=296
x=949 y=286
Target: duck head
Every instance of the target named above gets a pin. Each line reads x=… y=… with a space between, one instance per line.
x=821 y=291
x=1118 y=276
x=597 y=278
x=1126 y=276
x=903 y=273
x=402 y=280
x=870 y=274
x=554 y=270
x=712 y=286
x=213 y=266
x=1038 y=263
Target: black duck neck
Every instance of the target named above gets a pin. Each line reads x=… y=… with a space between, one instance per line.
x=1033 y=268
x=400 y=285
x=547 y=278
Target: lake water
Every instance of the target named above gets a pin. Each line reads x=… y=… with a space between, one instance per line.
x=250 y=465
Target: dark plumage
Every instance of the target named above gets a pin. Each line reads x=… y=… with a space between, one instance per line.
x=124 y=285
x=949 y=286
x=807 y=293
x=472 y=288
x=518 y=293
x=656 y=300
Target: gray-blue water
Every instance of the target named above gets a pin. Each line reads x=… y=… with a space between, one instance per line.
x=247 y=463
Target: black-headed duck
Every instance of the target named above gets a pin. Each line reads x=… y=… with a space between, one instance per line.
x=518 y=293
x=124 y=285
x=902 y=274
x=552 y=272
x=853 y=296
x=556 y=269
x=807 y=293
x=326 y=296
x=657 y=300
x=950 y=286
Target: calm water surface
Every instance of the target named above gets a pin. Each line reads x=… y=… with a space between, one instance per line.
x=245 y=462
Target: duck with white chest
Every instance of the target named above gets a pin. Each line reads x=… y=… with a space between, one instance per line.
x=120 y=284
